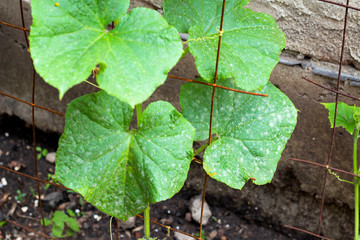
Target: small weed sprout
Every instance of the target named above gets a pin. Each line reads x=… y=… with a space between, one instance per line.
x=42 y=152
x=63 y=222
x=20 y=196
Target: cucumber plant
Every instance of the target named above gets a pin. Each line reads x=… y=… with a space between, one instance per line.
x=121 y=171
x=348 y=117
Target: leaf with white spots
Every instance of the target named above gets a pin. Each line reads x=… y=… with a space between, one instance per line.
x=251 y=131
x=117 y=170
x=250 y=46
x=68 y=39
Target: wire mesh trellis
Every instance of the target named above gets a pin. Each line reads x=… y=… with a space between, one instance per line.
x=214 y=86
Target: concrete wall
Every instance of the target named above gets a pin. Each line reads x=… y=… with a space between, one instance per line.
x=314 y=28
x=313 y=32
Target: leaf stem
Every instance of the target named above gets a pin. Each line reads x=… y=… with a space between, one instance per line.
x=92 y=84
x=147 y=222
x=186 y=51
x=356 y=190
x=147 y=210
x=204 y=146
x=138 y=113
x=110 y=228
x=200 y=149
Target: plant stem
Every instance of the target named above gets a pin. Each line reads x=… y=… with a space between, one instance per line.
x=138 y=113
x=147 y=210
x=356 y=185
x=147 y=222
x=186 y=51
x=204 y=146
x=200 y=149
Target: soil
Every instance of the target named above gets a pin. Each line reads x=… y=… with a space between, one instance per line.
x=16 y=152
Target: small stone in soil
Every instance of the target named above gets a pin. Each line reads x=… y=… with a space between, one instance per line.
x=129 y=224
x=195 y=208
x=51 y=157
x=180 y=236
x=3 y=181
x=212 y=235
x=167 y=221
x=97 y=217
x=51 y=200
x=128 y=233
x=138 y=229
x=24 y=209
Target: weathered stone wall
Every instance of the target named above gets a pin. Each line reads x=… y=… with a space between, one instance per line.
x=313 y=30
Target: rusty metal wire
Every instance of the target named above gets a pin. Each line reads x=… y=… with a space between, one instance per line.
x=341 y=5
x=307 y=232
x=34 y=178
x=324 y=166
x=13 y=26
x=331 y=90
x=168 y=227
x=337 y=92
x=212 y=110
x=33 y=122
x=29 y=229
x=217 y=86
x=335 y=114
x=31 y=104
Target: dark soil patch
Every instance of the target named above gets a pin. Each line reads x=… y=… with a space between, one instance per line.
x=16 y=152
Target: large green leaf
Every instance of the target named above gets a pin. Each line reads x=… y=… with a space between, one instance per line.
x=251 y=131
x=117 y=170
x=346 y=117
x=69 y=40
x=250 y=45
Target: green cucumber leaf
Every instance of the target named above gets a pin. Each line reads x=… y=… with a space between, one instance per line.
x=251 y=131
x=68 y=41
x=117 y=170
x=250 y=46
x=346 y=117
